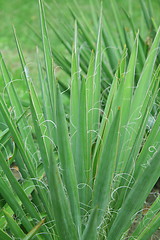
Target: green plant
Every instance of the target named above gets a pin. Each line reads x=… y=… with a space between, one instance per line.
x=84 y=172
x=115 y=34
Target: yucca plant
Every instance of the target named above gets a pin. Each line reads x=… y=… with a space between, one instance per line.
x=84 y=172
x=115 y=34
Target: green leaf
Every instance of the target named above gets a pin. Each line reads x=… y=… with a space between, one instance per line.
x=90 y=232
x=66 y=160
x=149 y=223
x=14 y=227
x=105 y=169
x=4 y=236
x=82 y=163
x=61 y=205
x=118 y=22
x=140 y=191
x=97 y=78
x=13 y=203
x=89 y=101
x=18 y=189
x=74 y=97
x=147 y=72
x=34 y=230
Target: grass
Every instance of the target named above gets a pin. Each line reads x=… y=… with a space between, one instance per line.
x=85 y=153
